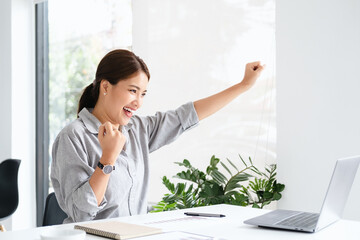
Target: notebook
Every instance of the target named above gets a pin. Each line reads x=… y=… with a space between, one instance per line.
x=117 y=230
x=332 y=208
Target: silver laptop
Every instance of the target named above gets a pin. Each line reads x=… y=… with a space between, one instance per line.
x=332 y=208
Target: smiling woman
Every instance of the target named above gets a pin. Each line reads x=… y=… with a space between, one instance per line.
x=100 y=165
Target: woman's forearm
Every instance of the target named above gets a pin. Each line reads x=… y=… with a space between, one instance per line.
x=99 y=181
x=207 y=106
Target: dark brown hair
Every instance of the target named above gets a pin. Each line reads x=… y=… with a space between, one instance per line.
x=115 y=66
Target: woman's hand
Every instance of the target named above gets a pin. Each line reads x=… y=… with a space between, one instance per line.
x=111 y=141
x=252 y=72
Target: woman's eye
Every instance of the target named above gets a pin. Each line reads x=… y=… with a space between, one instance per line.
x=133 y=90
x=144 y=94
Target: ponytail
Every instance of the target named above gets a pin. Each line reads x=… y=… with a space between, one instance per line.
x=89 y=97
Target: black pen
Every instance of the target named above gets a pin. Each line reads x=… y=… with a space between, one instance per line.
x=204 y=214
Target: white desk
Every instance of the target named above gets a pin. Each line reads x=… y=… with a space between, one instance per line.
x=229 y=227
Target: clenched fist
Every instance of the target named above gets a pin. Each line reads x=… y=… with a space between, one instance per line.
x=252 y=72
x=111 y=141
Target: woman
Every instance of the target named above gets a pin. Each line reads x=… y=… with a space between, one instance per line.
x=100 y=165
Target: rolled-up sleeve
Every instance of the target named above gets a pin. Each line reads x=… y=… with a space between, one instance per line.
x=70 y=174
x=166 y=127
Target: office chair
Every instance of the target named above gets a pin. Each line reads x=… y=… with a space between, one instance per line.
x=9 y=199
x=53 y=214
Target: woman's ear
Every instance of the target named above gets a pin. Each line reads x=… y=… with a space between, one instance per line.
x=104 y=85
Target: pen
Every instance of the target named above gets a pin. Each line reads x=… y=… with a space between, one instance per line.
x=204 y=214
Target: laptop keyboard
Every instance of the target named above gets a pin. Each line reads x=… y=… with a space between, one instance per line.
x=302 y=220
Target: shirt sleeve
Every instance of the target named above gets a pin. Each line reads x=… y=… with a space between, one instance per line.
x=166 y=127
x=70 y=174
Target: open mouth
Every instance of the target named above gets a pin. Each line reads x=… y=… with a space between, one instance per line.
x=128 y=111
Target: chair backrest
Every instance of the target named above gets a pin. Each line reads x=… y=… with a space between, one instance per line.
x=53 y=214
x=9 y=199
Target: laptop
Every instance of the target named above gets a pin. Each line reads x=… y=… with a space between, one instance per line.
x=332 y=207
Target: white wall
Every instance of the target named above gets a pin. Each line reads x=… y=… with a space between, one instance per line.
x=17 y=102
x=5 y=70
x=23 y=109
x=5 y=96
x=318 y=85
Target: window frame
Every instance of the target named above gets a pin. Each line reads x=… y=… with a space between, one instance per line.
x=42 y=107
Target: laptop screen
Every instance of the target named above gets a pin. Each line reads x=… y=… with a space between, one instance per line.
x=338 y=191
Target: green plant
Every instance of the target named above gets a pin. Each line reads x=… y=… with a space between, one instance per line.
x=244 y=187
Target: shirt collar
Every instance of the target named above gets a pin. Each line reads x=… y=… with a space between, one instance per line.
x=92 y=123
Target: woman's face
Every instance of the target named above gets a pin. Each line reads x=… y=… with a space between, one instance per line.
x=124 y=98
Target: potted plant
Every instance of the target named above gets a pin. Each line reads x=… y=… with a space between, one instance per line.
x=245 y=187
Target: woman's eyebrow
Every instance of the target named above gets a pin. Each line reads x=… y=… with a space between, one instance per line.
x=134 y=86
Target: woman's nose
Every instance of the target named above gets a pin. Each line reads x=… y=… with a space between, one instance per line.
x=138 y=101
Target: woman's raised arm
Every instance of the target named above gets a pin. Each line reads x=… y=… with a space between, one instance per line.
x=207 y=106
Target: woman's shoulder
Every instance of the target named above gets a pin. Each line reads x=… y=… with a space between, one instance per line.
x=73 y=129
x=72 y=139
x=136 y=122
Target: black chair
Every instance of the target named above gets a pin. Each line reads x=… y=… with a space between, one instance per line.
x=9 y=199
x=53 y=214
